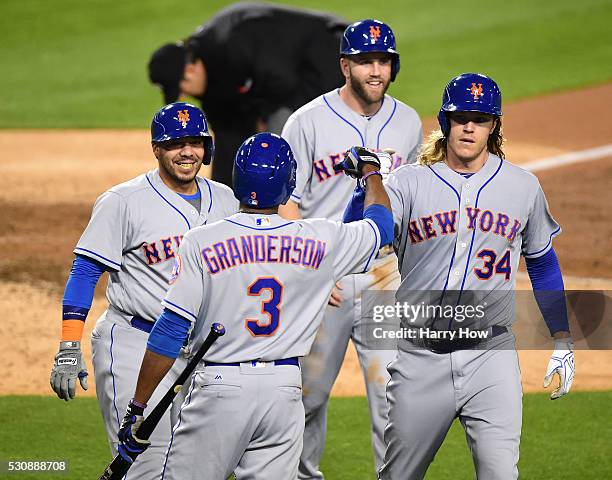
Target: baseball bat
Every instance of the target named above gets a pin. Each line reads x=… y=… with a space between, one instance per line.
x=119 y=466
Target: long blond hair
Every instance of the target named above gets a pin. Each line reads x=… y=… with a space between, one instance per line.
x=434 y=148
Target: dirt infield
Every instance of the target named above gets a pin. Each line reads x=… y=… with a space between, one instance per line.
x=51 y=178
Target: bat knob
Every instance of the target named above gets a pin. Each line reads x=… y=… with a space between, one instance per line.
x=218 y=329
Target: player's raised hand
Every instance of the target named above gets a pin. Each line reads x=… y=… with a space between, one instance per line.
x=68 y=366
x=561 y=363
x=356 y=158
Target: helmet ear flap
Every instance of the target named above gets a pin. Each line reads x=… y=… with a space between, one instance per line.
x=209 y=150
x=443 y=122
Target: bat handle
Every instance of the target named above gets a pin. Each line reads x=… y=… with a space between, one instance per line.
x=116 y=470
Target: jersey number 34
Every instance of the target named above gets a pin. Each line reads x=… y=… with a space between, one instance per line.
x=269 y=307
x=492 y=265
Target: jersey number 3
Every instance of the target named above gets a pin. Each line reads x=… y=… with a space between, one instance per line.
x=269 y=307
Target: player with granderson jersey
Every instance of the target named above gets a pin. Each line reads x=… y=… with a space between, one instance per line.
x=267 y=279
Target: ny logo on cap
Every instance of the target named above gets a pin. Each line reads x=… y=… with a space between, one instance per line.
x=183 y=117
x=374 y=33
x=476 y=91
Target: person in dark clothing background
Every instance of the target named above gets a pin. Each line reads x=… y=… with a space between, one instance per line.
x=251 y=65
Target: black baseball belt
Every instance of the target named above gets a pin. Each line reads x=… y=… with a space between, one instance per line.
x=445 y=345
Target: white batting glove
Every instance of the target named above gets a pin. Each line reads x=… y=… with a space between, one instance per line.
x=561 y=363
x=386 y=161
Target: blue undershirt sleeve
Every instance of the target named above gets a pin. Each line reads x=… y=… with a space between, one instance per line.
x=354 y=209
x=80 y=287
x=548 y=289
x=383 y=218
x=168 y=334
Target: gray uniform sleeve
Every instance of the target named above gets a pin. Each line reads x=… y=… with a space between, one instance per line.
x=356 y=247
x=230 y=204
x=187 y=283
x=541 y=228
x=297 y=138
x=106 y=235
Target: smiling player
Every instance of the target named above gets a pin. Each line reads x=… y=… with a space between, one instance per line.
x=134 y=233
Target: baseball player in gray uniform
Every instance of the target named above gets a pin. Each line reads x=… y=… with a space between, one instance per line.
x=268 y=280
x=134 y=233
x=463 y=216
x=359 y=113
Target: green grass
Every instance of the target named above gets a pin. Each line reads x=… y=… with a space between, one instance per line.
x=69 y=63
x=46 y=428
x=565 y=439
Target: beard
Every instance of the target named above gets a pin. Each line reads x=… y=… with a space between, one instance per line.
x=359 y=89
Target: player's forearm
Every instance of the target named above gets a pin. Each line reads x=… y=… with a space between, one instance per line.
x=153 y=369
x=547 y=281
x=377 y=206
x=375 y=191
x=78 y=296
x=165 y=340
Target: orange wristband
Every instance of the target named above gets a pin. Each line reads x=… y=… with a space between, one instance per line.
x=72 y=330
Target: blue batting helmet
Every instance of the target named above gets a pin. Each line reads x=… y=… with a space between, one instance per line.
x=179 y=120
x=469 y=92
x=370 y=36
x=264 y=171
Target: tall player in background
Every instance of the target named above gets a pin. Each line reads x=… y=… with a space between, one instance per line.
x=134 y=233
x=268 y=280
x=359 y=113
x=463 y=217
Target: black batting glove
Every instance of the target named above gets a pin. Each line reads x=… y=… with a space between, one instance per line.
x=130 y=445
x=354 y=161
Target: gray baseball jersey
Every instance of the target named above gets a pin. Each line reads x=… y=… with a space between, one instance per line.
x=278 y=275
x=268 y=281
x=467 y=234
x=463 y=235
x=135 y=230
x=322 y=130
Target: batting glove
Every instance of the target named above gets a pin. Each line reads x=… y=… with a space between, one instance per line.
x=386 y=161
x=68 y=366
x=354 y=161
x=561 y=363
x=130 y=445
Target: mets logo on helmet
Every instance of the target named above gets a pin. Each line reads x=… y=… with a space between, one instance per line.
x=183 y=117
x=476 y=91
x=374 y=33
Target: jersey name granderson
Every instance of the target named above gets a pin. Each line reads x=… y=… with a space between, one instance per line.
x=251 y=249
